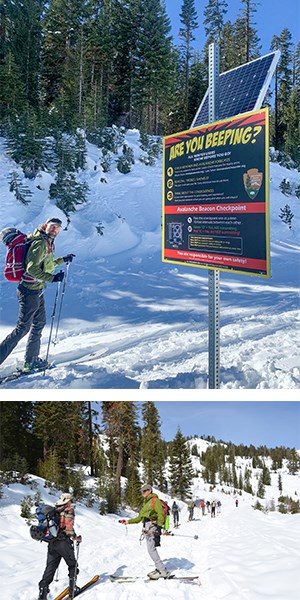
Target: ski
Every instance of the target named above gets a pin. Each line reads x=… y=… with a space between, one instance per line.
x=62 y=594
x=20 y=373
x=131 y=579
x=65 y=594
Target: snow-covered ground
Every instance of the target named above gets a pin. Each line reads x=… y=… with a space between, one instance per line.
x=242 y=554
x=148 y=320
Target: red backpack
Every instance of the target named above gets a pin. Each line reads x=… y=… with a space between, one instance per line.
x=17 y=247
x=164 y=505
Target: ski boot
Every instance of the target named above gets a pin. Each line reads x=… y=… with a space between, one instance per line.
x=164 y=574
x=73 y=588
x=43 y=593
x=35 y=364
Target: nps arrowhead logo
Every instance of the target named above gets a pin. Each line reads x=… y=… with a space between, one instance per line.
x=252 y=182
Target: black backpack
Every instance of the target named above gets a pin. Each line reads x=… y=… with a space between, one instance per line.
x=47 y=528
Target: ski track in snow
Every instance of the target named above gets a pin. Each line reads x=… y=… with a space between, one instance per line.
x=153 y=316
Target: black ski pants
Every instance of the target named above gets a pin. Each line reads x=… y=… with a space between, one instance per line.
x=58 y=549
x=31 y=318
x=176 y=517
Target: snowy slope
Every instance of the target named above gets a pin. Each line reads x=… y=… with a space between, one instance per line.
x=242 y=554
x=151 y=317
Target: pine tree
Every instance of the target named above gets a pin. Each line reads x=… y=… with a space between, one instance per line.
x=126 y=31
x=67 y=191
x=88 y=434
x=12 y=90
x=215 y=31
x=229 y=53
x=293 y=461
x=214 y=13
x=283 y=84
x=23 y=41
x=234 y=477
x=133 y=486
x=240 y=484
x=21 y=191
x=249 y=41
x=61 y=37
x=188 y=19
x=16 y=436
x=266 y=477
x=120 y=425
x=180 y=469
x=57 y=425
x=151 y=64
x=151 y=445
x=291 y=135
x=247 y=482
x=52 y=469
x=101 y=61
x=24 y=143
x=261 y=488
x=280 y=482
x=286 y=215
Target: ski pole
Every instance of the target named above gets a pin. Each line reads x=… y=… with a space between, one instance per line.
x=61 y=302
x=194 y=537
x=75 y=572
x=52 y=321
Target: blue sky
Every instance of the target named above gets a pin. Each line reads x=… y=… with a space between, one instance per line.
x=271 y=17
x=259 y=423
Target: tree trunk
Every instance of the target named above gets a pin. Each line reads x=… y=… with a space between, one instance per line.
x=91 y=439
x=119 y=469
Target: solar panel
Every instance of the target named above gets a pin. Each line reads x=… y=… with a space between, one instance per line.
x=241 y=89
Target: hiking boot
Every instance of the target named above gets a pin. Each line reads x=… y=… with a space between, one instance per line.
x=35 y=364
x=43 y=593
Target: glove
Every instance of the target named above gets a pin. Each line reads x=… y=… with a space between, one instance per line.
x=68 y=258
x=58 y=277
x=78 y=539
x=123 y=521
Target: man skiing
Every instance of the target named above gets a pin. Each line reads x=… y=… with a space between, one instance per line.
x=175 y=513
x=40 y=265
x=153 y=521
x=61 y=547
x=191 y=506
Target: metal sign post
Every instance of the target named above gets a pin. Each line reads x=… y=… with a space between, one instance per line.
x=213 y=275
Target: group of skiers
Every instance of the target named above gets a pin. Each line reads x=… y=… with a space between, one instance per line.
x=40 y=265
x=153 y=516
x=210 y=507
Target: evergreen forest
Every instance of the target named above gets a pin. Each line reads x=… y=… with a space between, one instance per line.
x=120 y=445
x=77 y=67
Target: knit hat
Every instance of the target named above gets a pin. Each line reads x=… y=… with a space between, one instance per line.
x=146 y=487
x=64 y=499
x=54 y=221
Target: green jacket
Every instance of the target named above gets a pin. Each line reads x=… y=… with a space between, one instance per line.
x=40 y=262
x=147 y=512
